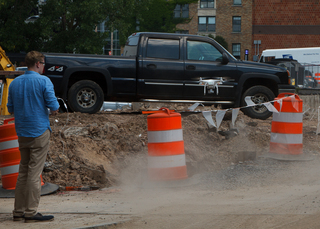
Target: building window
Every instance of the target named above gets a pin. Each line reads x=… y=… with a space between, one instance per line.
x=237 y=2
x=206 y=3
x=207 y=24
x=236 y=24
x=236 y=50
x=181 y=11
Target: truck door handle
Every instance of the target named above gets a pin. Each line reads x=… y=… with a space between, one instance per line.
x=152 y=66
x=191 y=67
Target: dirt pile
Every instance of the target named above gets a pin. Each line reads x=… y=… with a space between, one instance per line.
x=96 y=149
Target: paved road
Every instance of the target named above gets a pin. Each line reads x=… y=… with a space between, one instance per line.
x=264 y=194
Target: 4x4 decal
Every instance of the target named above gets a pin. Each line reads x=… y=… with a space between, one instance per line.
x=56 y=68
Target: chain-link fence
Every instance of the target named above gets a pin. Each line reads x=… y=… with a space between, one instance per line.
x=312 y=72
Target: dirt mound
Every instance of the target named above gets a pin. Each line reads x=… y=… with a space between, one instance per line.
x=96 y=149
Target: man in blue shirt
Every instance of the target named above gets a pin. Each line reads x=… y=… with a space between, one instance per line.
x=31 y=98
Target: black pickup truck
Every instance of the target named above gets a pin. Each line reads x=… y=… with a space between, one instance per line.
x=165 y=67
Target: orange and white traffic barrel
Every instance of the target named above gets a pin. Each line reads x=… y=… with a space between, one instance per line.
x=166 y=157
x=10 y=160
x=317 y=77
x=9 y=155
x=287 y=126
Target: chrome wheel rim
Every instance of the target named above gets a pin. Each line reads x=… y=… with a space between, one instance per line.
x=86 y=98
x=259 y=99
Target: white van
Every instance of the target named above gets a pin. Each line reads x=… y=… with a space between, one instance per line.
x=302 y=55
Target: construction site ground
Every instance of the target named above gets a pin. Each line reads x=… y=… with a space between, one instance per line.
x=102 y=158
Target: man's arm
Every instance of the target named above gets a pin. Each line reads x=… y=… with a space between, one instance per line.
x=50 y=98
x=10 y=102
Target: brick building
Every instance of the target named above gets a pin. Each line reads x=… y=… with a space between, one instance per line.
x=286 y=23
x=255 y=25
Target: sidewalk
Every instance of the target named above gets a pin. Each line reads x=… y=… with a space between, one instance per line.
x=73 y=209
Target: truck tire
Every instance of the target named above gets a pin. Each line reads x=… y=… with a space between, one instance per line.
x=259 y=94
x=85 y=96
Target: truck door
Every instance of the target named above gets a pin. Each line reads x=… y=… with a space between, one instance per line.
x=161 y=70
x=203 y=61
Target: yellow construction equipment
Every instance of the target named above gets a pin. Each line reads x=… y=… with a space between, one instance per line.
x=7 y=74
x=5 y=63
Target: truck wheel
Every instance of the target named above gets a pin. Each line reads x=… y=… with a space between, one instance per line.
x=85 y=96
x=259 y=94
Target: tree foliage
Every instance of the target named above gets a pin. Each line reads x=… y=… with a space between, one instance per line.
x=159 y=16
x=220 y=40
x=71 y=25
x=15 y=34
x=123 y=15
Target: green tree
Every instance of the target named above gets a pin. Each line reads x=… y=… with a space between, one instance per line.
x=148 y=15
x=220 y=40
x=160 y=18
x=70 y=26
x=123 y=15
x=15 y=34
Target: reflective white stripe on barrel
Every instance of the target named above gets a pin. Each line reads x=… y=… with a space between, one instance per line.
x=287 y=138
x=165 y=136
x=167 y=161
x=287 y=117
x=9 y=170
x=9 y=144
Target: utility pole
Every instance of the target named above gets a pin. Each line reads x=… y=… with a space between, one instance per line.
x=111 y=40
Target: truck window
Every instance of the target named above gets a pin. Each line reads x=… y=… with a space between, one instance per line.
x=163 y=48
x=130 y=49
x=269 y=58
x=197 y=50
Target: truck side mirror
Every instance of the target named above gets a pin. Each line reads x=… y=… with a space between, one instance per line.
x=225 y=59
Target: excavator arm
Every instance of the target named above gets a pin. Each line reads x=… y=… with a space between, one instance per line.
x=7 y=74
x=5 y=63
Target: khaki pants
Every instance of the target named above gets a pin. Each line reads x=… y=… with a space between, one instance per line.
x=33 y=153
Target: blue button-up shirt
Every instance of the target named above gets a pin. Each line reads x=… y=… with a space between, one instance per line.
x=30 y=96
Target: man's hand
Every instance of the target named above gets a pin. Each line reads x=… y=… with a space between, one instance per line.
x=54 y=112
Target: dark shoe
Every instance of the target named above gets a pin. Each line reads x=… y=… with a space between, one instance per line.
x=39 y=218
x=18 y=218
